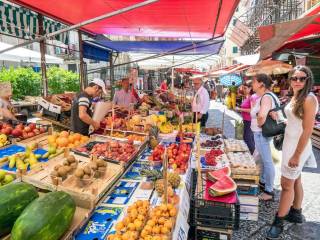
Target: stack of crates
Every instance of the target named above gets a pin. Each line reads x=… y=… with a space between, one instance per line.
x=210 y=220
x=248 y=190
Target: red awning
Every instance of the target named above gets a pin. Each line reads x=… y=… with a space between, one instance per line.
x=273 y=37
x=165 y=18
x=237 y=68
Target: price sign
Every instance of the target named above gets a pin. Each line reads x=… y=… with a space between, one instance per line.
x=181 y=229
x=184 y=202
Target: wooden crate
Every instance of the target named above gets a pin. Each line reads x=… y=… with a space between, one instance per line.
x=41 y=139
x=85 y=197
x=246 y=171
x=250 y=178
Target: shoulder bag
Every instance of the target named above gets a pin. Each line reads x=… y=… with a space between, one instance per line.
x=272 y=127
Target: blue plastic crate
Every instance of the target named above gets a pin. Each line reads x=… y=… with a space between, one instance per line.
x=100 y=223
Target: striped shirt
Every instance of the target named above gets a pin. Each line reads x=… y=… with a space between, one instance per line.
x=77 y=125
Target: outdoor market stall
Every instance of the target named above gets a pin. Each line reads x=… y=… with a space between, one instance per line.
x=109 y=178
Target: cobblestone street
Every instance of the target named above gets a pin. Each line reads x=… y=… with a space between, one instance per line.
x=311 y=205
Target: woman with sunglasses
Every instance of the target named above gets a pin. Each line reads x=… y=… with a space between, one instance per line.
x=297 y=148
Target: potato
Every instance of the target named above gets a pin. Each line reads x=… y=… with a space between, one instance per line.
x=71 y=159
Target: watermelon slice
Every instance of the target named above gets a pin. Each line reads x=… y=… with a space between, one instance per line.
x=217 y=174
x=223 y=186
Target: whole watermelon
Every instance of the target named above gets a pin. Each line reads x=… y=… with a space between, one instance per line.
x=14 y=198
x=48 y=217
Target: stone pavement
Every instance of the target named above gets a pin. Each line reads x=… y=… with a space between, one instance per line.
x=251 y=230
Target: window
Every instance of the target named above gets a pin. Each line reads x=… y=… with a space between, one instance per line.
x=235 y=50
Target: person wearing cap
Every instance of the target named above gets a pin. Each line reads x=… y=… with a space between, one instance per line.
x=201 y=101
x=81 y=110
x=124 y=97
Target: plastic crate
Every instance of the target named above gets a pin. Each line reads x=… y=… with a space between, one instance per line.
x=199 y=233
x=247 y=189
x=212 y=214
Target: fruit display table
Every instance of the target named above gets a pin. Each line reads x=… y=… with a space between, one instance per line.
x=144 y=192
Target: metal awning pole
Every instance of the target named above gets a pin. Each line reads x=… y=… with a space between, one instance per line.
x=81 y=68
x=81 y=24
x=111 y=75
x=43 y=58
x=172 y=75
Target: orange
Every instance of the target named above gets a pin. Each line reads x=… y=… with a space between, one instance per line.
x=62 y=141
x=84 y=139
x=71 y=139
x=77 y=136
x=64 y=134
x=76 y=143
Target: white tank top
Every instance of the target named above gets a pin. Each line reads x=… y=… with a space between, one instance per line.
x=255 y=110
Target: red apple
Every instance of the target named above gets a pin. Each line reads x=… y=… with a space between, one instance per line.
x=42 y=130
x=30 y=134
x=36 y=131
x=24 y=135
x=16 y=132
x=20 y=127
x=32 y=126
x=27 y=129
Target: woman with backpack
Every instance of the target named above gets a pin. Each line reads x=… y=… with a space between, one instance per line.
x=266 y=101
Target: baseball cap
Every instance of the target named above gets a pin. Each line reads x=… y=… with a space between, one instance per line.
x=100 y=83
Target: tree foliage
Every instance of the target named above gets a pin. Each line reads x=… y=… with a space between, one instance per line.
x=27 y=82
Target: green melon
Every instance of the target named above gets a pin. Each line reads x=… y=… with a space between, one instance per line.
x=14 y=198
x=48 y=217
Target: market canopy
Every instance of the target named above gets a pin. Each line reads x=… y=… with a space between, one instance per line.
x=180 y=61
x=164 y=18
x=159 y=47
x=25 y=55
x=94 y=52
x=272 y=37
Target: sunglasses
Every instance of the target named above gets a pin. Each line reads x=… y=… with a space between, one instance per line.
x=301 y=79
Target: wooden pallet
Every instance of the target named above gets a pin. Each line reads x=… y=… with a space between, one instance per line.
x=246 y=171
x=86 y=196
x=250 y=178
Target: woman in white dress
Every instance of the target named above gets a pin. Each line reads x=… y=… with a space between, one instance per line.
x=297 y=149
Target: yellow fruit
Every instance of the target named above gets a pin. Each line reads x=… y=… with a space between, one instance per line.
x=148 y=229
x=168 y=224
x=173 y=212
x=119 y=226
x=164 y=230
x=126 y=221
x=151 y=223
x=161 y=220
x=156 y=230
x=131 y=227
x=138 y=224
x=140 y=217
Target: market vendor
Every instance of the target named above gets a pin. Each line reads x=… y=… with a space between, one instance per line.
x=124 y=97
x=201 y=101
x=81 y=110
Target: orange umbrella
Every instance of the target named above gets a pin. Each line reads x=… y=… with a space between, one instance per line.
x=270 y=67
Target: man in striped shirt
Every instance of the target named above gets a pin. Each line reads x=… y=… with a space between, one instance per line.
x=81 y=112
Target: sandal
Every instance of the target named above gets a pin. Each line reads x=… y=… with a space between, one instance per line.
x=262 y=186
x=266 y=196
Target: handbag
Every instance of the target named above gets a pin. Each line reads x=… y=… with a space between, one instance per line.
x=272 y=127
x=278 y=141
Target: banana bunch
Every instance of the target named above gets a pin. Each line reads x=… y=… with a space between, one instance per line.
x=166 y=128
